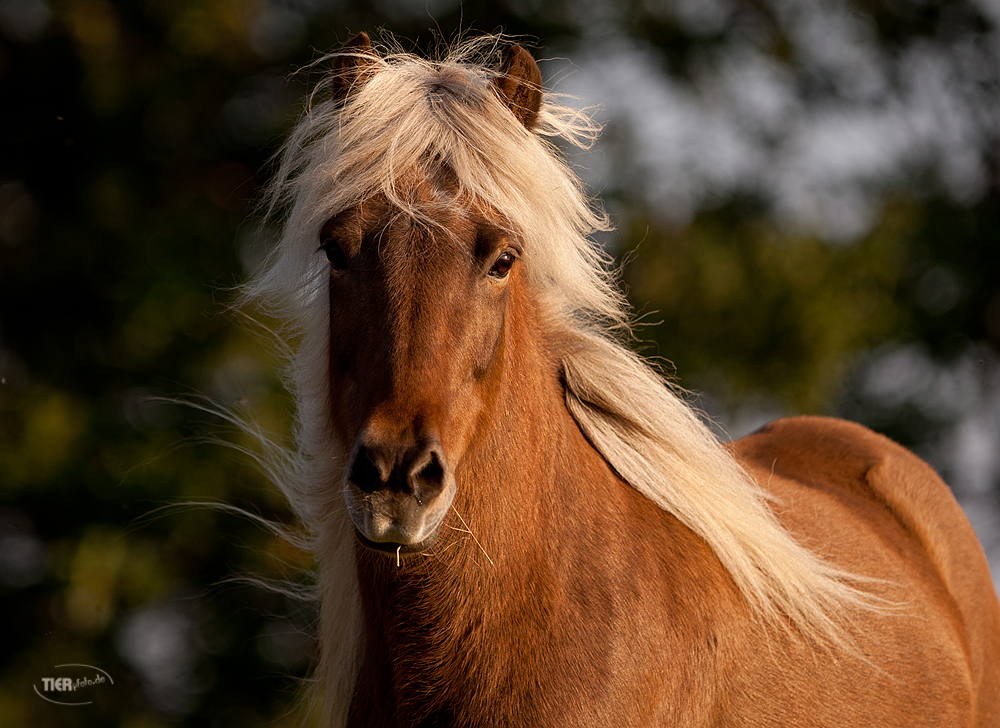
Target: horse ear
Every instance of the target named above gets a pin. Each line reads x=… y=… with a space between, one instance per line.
x=352 y=66
x=519 y=85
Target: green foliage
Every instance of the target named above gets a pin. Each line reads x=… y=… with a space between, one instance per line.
x=739 y=301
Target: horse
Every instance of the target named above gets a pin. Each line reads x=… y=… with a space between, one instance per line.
x=517 y=520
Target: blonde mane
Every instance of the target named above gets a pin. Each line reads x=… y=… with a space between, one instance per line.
x=410 y=110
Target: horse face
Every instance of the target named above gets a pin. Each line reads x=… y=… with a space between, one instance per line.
x=417 y=316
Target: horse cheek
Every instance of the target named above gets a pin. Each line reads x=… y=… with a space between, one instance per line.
x=488 y=334
x=352 y=350
x=477 y=376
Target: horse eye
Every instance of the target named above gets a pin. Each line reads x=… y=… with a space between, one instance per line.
x=502 y=265
x=336 y=256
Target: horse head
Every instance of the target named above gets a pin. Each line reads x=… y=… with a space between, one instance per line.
x=419 y=287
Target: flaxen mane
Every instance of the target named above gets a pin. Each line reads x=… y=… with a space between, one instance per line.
x=412 y=112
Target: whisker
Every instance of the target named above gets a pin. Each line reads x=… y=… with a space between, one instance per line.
x=473 y=536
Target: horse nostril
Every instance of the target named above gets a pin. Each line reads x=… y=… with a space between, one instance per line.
x=428 y=480
x=365 y=474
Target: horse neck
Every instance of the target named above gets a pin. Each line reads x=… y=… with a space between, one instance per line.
x=544 y=546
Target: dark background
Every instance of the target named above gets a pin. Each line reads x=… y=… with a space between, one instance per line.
x=806 y=192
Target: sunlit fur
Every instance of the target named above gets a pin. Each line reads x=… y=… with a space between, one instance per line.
x=342 y=153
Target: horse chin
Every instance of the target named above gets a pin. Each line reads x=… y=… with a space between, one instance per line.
x=393 y=549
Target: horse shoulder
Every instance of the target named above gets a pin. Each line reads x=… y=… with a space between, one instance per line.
x=812 y=463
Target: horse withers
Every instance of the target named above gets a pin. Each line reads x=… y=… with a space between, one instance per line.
x=517 y=521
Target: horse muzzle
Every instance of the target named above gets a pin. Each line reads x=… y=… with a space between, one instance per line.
x=398 y=497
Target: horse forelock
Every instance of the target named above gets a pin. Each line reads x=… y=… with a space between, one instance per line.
x=411 y=114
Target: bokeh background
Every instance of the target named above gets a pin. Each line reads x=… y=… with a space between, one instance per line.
x=806 y=192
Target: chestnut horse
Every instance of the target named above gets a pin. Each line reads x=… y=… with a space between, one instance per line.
x=517 y=522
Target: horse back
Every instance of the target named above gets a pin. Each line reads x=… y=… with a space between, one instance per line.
x=875 y=509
